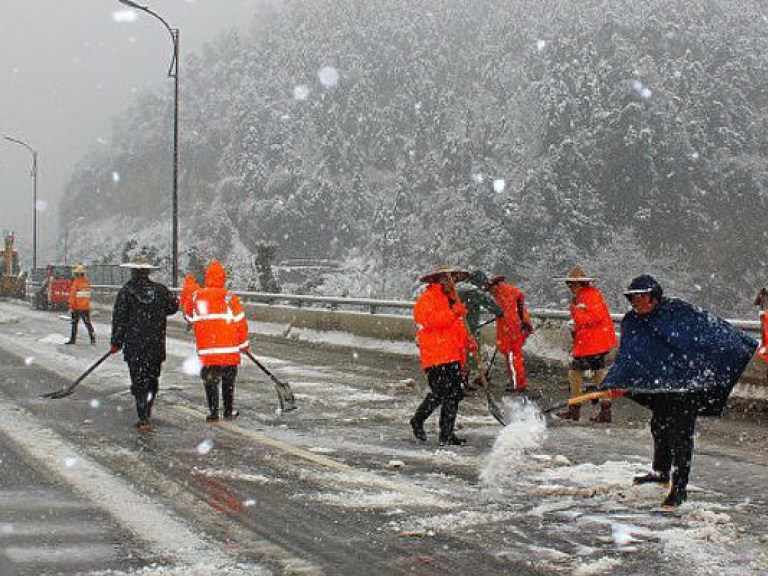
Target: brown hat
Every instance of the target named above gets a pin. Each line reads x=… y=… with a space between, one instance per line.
x=762 y=296
x=79 y=269
x=495 y=279
x=577 y=275
x=458 y=275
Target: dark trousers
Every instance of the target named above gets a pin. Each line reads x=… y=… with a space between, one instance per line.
x=145 y=383
x=211 y=376
x=85 y=316
x=445 y=390
x=673 y=425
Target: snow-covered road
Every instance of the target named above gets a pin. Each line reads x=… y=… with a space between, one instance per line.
x=341 y=484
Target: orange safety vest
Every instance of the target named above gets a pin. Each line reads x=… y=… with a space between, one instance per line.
x=441 y=335
x=593 y=328
x=80 y=295
x=762 y=351
x=509 y=328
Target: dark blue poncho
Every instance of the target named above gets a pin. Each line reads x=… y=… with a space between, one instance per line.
x=680 y=347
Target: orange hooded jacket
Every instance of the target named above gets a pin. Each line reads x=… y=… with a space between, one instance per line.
x=592 y=324
x=509 y=328
x=221 y=330
x=187 y=291
x=80 y=294
x=441 y=335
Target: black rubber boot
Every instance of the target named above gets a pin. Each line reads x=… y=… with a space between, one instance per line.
x=453 y=440
x=418 y=429
x=212 y=394
x=675 y=498
x=228 y=391
x=651 y=478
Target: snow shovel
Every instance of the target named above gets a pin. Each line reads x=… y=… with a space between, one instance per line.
x=67 y=390
x=284 y=393
x=579 y=400
x=493 y=408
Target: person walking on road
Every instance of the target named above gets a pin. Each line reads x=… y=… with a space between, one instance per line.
x=443 y=342
x=473 y=293
x=80 y=305
x=139 y=328
x=681 y=362
x=512 y=330
x=221 y=334
x=594 y=337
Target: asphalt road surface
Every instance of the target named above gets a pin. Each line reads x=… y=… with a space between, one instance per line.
x=339 y=486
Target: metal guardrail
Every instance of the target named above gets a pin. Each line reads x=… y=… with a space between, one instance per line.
x=373 y=306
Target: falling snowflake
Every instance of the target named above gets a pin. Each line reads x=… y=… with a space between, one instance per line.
x=205 y=446
x=124 y=16
x=328 y=76
x=191 y=366
x=70 y=461
x=540 y=45
x=28 y=360
x=41 y=205
x=301 y=92
x=95 y=403
x=499 y=185
x=115 y=177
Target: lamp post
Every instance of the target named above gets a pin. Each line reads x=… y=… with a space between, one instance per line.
x=33 y=173
x=173 y=72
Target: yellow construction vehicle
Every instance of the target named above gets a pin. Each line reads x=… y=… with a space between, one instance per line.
x=12 y=280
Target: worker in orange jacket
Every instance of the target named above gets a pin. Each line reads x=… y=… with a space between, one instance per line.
x=594 y=336
x=512 y=330
x=187 y=291
x=443 y=341
x=80 y=305
x=221 y=333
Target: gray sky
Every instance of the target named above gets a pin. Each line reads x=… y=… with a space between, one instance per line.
x=66 y=68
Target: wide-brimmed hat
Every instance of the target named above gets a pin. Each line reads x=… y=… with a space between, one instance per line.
x=577 y=275
x=458 y=275
x=139 y=262
x=79 y=269
x=495 y=279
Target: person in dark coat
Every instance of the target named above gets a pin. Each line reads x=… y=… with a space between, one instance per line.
x=473 y=293
x=138 y=328
x=680 y=362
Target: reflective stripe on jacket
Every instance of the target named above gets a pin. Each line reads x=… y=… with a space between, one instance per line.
x=80 y=295
x=593 y=328
x=441 y=335
x=221 y=329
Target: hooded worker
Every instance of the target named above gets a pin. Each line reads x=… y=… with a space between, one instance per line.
x=221 y=334
x=681 y=362
x=511 y=330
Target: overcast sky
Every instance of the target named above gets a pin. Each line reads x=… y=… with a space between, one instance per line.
x=67 y=67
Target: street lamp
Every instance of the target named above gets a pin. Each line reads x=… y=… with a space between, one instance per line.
x=173 y=72
x=33 y=173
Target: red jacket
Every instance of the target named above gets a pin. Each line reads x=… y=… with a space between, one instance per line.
x=762 y=351
x=221 y=330
x=442 y=336
x=593 y=327
x=509 y=328
x=80 y=294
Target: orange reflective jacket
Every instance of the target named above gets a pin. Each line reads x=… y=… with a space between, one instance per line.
x=509 y=328
x=80 y=294
x=592 y=324
x=441 y=335
x=762 y=351
x=221 y=330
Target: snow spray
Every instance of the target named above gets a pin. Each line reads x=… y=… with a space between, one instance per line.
x=525 y=432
